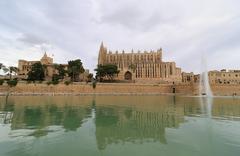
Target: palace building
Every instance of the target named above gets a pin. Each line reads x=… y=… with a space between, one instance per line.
x=25 y=66
x=224 y=77
x=190 y=77
x=141 y=66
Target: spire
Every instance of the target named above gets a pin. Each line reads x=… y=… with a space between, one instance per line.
x=102 y=53
x=45 y=54
x=102 y=46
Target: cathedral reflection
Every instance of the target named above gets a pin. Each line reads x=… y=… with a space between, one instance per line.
x=136 y=124
x=117 y=119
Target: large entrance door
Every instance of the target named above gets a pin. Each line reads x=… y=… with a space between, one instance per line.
x=128 y=75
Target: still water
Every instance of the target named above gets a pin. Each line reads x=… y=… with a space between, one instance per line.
x=119 y=126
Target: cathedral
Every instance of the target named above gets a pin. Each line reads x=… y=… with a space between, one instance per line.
x=141 y=66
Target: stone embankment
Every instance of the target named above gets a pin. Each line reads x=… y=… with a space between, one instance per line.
x=115 y=89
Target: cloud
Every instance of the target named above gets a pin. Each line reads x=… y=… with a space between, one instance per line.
x=74 y=29
x=31 y=40
x=125 y=16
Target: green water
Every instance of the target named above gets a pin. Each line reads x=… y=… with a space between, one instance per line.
x=119 y=126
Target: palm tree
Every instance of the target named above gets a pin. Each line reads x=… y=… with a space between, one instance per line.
x=1 y=66
x=13 y=70
x=5 y=69
x=10 y=70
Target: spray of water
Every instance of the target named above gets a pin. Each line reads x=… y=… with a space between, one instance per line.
x=205 y=89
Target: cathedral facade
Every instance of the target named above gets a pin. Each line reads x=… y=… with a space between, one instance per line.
x=141 y=66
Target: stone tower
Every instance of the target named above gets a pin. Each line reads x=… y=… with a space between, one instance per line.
x=46 y=60
x=102 y=54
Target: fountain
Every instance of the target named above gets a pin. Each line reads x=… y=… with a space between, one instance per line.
x=204 y=86
x=205 y=89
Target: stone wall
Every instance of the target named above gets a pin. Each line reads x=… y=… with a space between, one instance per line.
x=118 y=88
x=226 y=90
x=187 y=89
x=115 y=88
x=217 y=89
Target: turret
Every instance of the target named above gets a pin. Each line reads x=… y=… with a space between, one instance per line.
x=159 y=53
x=46 y=60
x=102 y=54
x=45 y=55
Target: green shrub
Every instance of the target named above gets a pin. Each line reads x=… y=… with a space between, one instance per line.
x=28 y=81
x=12 y=83
x=1 y=81
x=49 y=83
x=55 y=82
x=67 y=82
x=55 y=77
x=94 y=84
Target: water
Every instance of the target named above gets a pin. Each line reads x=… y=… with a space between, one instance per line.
x=204 y=80
x=119 y=125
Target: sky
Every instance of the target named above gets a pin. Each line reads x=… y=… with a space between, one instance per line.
x=186 y=30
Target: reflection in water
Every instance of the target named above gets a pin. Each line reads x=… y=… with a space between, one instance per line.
x=38 y=117
x=6 y=117
x=117 y=119
x=138 y=125
x=206 y=105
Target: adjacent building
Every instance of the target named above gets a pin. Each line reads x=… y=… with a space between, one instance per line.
x=190 y=77
x=141 y=66
x=224 y=77
x=25 y=66
x=215 y=77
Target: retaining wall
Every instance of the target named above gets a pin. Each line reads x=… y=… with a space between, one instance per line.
x=117 y=88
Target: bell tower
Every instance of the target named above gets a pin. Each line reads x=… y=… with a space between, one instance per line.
x=102 y=54
x=46 y=60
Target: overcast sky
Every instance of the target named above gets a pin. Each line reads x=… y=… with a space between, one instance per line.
x=71 y=29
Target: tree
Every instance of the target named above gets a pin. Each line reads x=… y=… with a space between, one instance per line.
x=75 y=68
x=109 y=71
x=37 y=72
x=1 y=81
x=90 y=76
x=13 y=70
x=9 y=70
x=100 y=72
x=1 y=65
x=5 y=69
x=61 y=70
